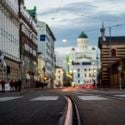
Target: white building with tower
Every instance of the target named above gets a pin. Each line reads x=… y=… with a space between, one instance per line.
x=84 y=61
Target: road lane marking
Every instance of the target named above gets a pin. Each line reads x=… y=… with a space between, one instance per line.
x=92 y=98
x=45 y=98
x=8 y=98
x=120 y=95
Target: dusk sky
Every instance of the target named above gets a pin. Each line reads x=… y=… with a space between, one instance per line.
x=68 y=18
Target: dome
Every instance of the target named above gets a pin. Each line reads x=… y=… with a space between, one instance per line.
x=83 y=35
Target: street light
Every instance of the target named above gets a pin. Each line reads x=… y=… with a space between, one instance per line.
x=74 y=72
x=120 y=81
x=64 y=42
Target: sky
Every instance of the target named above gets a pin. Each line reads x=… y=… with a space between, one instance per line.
x=68 y=18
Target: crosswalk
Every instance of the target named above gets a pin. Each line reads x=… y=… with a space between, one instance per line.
x=8 y=98
x=45 y=98
x=92 y=97
x=119 y=95
x=40 y=98
x=88 y=97
x=99 y=97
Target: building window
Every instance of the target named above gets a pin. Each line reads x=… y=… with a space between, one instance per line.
x=94 y=75
x=89 y=74
x=78 y=75
x=78 y=70
x=42 y=37
x=78 y=81
x=85 y=75
x=85 y=69
x=113 y=52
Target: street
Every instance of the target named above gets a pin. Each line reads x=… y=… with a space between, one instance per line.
x=101 y=108
x=46 y=107
x=34 y=108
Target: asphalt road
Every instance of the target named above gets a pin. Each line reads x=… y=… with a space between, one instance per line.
x=100 y=107
x=31 y=108
x=43 y=107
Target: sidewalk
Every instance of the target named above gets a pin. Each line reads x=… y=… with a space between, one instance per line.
x=109 y=90
x=24 y=90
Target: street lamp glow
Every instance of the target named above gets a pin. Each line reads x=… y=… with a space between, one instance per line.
x=64 y=40
x=74 y=70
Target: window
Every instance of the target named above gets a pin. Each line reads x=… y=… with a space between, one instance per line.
x=78 y=75
x=78 y=70
x=86 y=63
x=93 y=48
x=85 y=69
x=85 y=75
x=89 y=74
x=42 y=37
x=113 y=52
x=78 y=81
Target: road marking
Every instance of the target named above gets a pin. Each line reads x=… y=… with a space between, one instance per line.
x=45 y=98
x=3 y=99
x=91 y=98
x=120 y=95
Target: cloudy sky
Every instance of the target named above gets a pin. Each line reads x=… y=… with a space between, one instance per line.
x=68 y=18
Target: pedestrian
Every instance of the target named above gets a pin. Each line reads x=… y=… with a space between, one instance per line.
x=19 y=83
x=16 y=85
x=11 y=85
x=3 y=85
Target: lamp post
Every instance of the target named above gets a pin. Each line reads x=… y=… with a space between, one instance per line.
x=92 y=73
x=74 y=74
x=120 y=80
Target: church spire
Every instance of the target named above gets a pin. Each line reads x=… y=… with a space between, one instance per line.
x=102 y=30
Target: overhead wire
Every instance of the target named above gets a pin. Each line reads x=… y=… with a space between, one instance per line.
x=89 y=30
x=95 y=29
x=58 y=9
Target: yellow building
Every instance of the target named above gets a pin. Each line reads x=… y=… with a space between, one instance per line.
x=41 y=67
x=59 y=77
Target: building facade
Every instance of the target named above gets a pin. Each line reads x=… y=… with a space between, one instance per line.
x=41 y=68
x=28 y=45
x=112 y=49
x=9 y=39
x=46 y=45
x=84 y=61
x=117 y=74
x=59 y=77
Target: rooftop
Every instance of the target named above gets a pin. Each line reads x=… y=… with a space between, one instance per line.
x=82 y=35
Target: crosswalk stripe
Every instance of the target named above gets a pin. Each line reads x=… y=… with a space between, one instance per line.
x=120 y=95
x=45 y=98
x=8 y=98
x=92 y=98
